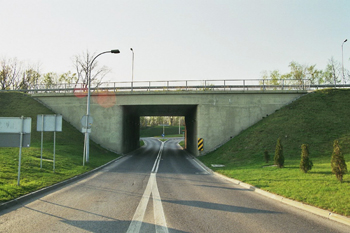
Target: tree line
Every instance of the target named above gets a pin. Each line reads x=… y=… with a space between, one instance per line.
x=334 y=73
x=16 y=75
x=151 y=121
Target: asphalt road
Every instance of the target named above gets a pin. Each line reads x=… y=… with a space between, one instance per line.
x=158 y=188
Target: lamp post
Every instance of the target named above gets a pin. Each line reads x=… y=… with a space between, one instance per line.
x=342 y=58
x=132 y=70
x=86 y=149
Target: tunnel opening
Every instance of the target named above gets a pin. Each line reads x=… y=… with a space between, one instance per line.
x=162 y=126
x=135 y=115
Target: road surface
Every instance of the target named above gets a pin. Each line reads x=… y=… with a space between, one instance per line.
x=158 y=188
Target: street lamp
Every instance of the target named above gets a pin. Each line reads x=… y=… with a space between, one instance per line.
x=342 y=57
x=86 y=149
x=132 y=70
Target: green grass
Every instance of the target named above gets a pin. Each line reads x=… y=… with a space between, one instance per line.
x=69 y=152
x=316 y=119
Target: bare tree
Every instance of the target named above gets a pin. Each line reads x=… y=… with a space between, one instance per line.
x=10 y=70
x=83 y=68
x=332 y=72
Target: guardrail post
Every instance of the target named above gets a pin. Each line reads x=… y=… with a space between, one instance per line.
x=244 y=85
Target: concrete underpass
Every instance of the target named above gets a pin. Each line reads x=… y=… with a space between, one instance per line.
x=215 y=116
x=132 y=114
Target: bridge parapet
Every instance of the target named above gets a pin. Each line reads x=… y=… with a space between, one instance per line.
x=180 y=85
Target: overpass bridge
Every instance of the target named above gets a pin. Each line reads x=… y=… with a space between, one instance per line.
x=215 y=113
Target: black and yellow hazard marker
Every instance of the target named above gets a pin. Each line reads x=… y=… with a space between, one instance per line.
x=200 y=144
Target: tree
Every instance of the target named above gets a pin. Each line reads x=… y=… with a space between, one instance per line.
x=49 y=79
x=314 y=75
x=338 y=164
x=332 y=72
x=271 y=78
x=305 y=163
x=68 y=78
x=84 y=67
x=10 y=70
x=279 y=159
x=30 y=79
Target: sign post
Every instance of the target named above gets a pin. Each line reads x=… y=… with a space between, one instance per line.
x=15 y=132
x=49 y=123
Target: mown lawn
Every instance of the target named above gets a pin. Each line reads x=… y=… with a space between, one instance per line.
x=316 y=119
x=69 y=151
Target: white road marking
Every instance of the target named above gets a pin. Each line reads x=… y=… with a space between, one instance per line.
x=159 y=216
x=151 y=189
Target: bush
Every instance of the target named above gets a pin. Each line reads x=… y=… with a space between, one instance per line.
x=305 y=163
x=279 y=159
x=338 y=162
x=266 y=156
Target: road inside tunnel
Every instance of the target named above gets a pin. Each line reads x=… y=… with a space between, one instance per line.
x=131 y=123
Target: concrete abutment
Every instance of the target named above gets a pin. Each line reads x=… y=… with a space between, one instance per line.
x=215 y=116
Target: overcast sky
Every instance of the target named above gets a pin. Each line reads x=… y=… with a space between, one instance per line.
x=176 y=39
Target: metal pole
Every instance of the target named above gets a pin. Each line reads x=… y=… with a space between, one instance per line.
x=342 y=58
x=54 y=146
x=87 y=138
x=132 y=70
x=42 y=141
x=20 y=152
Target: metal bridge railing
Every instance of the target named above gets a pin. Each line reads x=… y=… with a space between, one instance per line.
x=185 y=85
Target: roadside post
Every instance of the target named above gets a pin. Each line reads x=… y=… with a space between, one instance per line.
x=86 y=123
x=15 y=132
x=49 y=123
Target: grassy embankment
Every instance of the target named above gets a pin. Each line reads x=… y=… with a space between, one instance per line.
x=316 y=119
x=69 y=151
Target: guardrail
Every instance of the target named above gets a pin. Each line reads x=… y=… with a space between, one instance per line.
x=185 y=85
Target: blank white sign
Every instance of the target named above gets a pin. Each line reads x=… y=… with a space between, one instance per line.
x=14 y=125
x=49 y=122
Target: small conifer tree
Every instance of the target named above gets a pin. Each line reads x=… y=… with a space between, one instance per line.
x=338 y=164
x=279 y=159
x=266 y=156
x=305 y=163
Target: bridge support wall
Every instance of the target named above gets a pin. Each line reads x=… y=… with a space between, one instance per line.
x=214 y=116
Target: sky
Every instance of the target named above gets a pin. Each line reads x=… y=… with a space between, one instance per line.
x=176 y=39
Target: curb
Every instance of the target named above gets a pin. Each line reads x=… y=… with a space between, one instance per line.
x=39 y=192
x=312 y=209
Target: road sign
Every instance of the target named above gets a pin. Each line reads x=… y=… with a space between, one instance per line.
x=13 y=132
x=89 y=122
x=85 y=130
x=13 y=140
x=49 y=123
x=14 y=125
x=200 y=144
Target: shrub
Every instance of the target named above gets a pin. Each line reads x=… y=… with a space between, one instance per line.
x=266 y=156
x=279 y=159
x=338 y=162
x=305 y=163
